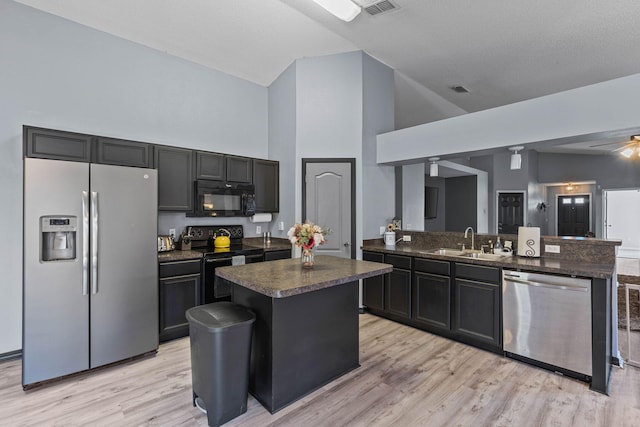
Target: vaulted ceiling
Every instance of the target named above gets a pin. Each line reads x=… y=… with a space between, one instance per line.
x=501 y=51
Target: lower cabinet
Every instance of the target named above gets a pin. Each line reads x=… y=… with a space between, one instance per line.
x=432 y=295
x=180 y=286
x=478 y=313
x=391 y=293
x=398 y=293
x=456 y=300
x=373 y=287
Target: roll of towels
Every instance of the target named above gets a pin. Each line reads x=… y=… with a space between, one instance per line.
x=261 y=217
x=529 y=241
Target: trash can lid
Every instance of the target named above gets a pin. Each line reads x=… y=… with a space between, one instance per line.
x=220 y=315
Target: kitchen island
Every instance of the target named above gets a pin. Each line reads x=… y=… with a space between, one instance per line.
x=306 y=329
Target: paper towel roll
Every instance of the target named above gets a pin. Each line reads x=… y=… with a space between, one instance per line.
x=529 y=241
x=261 y=217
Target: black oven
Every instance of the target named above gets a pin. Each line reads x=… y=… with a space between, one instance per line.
x=220 y=199
x=215 y=289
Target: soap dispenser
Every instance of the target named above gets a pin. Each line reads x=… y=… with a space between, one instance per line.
x=497 y=248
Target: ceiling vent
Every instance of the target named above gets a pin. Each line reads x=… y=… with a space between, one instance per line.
x=380 y=7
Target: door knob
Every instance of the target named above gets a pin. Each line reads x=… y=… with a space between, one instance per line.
x=346 y=244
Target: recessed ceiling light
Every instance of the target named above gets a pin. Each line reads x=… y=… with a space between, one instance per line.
x=459 y=89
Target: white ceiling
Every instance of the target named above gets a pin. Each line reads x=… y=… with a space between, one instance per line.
x=502 y=51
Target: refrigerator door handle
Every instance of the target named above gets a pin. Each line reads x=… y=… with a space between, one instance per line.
x=94 y=242
x=85 y=243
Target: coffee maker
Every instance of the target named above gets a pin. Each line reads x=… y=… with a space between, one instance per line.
x=58 y=234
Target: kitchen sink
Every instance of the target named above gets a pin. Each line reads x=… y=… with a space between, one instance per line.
x=448 y=252
x=469 y=253
x=480 y=255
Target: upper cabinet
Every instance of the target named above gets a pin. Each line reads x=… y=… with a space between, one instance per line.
x=210 y=166
x=266 y=179
x=57 y=145
x=119 y=152
x=175 y=178
x=239 y=169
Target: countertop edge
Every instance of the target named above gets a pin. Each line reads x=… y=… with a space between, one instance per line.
x=598 y=271
x=227 y=274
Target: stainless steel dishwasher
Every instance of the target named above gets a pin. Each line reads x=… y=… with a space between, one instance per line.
x=547 y=318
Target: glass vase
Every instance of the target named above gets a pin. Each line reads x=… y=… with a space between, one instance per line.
x=307 y=258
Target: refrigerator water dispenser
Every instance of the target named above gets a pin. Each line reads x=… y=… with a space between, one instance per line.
x=58 y=238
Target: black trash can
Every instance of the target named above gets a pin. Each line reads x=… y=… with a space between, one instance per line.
x=220 y=337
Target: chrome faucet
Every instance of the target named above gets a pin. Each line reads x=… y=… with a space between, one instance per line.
x=472 y=239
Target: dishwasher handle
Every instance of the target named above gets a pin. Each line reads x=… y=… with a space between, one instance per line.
x=543 y=284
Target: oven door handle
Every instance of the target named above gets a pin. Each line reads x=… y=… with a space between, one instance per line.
x=212 y=260
x=543 y=284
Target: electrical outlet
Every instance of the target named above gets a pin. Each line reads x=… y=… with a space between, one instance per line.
x=552 y=249
x=406 y=238
x=281 y=226
x=382 y=229
x=258 y=229
x=172 y=232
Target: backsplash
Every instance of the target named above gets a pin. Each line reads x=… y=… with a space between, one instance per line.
x=571 y=248
x=180 y=222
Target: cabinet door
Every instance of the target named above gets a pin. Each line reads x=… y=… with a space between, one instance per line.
x=398 y=293
x=373 y=287
x=477 y=312
x=123 y=153
x=432 y=301
x=239 y=169
x=56 y=145
x=266 y=179
x=175 y=179
x=274 y=255
x=210 y=166
x=177 y=295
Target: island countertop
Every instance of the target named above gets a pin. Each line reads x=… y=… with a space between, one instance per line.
x=286 y=277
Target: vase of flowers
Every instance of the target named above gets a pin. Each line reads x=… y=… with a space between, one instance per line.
x=307 y=236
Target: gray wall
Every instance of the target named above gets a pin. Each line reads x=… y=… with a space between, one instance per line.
x=63 y=75
x=378 y=189
x=437 y=223
x=461 y=203
x=608 y=171
x=282 y=142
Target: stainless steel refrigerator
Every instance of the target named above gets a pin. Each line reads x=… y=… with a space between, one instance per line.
x=90 y=275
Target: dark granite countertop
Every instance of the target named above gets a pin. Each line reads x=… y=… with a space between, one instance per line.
x=545 y=265
x=178 y=255
x=277 y=243
x=283 y=278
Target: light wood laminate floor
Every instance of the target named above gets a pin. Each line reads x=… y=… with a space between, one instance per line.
x=407 y=378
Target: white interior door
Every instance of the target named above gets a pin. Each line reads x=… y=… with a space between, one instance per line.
x=327 y=202
x=622 y=210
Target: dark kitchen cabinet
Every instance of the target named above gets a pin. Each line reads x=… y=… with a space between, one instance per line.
x=175 y=178
x=432 y=295
x=239 y=169
x=179 y=290
x=119 y=152
x=210 y=166
x=57 y=145
x=266 y=179
x=478 y=313
x=373 y=287
x=398 y=286
x=275 y=255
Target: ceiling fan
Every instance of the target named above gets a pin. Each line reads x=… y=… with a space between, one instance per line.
x=628 y=149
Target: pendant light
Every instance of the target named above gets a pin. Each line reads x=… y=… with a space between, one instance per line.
x=433 y=167
x=516 y=158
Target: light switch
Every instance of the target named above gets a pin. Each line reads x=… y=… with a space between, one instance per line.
x=258 y=229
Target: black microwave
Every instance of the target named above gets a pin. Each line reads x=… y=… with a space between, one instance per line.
x=214 y=198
